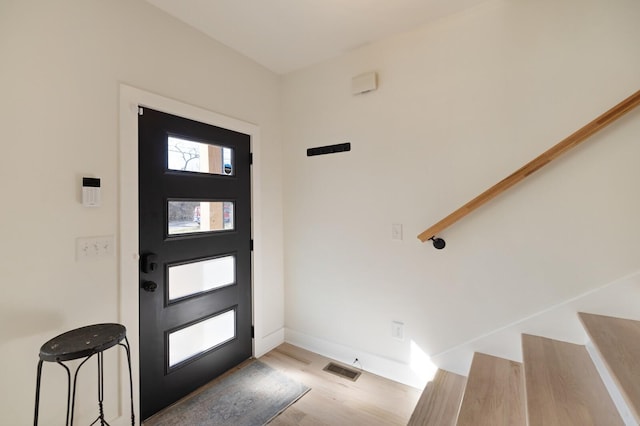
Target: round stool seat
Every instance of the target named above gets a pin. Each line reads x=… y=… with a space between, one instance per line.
x=82 y=342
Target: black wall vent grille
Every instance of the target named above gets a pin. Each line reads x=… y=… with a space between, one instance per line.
x=329 y=149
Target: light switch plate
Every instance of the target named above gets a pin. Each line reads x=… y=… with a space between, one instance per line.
x=397 y=330
x=94 y=247
x=396 y=231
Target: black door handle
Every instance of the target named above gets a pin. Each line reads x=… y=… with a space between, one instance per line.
x=149 y=286
x=148 y=262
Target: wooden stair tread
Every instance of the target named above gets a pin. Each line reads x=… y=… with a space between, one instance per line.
x=494 y=394
x=563 y=386
x=440 y=401
x=618 y=342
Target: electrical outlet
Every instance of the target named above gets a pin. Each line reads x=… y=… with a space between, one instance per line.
x=94 y=247
x=397 y=330
x=396 y=231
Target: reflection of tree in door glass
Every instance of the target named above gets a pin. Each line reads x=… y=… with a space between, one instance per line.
x=183 y=155
x=190 y=156
x=199 y=216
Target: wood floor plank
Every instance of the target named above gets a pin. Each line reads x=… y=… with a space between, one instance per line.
x=563 y=387
x=494 y=394
x=332 y=400
x=440 y=401
x=618 y=342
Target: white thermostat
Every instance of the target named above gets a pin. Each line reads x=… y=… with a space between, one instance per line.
x=90 y=192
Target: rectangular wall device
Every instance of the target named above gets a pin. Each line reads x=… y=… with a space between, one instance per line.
x=90 y=192
x=364 y=83
x=329 y=149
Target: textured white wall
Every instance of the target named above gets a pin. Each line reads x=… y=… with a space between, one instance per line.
x=62 y=63
x=461 y=104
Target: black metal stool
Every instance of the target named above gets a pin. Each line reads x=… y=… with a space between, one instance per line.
x=84 y=342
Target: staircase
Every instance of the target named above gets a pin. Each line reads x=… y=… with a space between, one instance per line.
x=557 y=384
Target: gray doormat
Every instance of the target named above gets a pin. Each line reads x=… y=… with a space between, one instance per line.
x=252 y=396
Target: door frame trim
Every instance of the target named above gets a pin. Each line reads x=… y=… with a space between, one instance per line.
x=130 y=98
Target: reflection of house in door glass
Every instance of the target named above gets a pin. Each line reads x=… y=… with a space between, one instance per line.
x=187 y=217
x=199 y=216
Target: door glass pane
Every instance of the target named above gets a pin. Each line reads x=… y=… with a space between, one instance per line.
x=201 y=276
x=190 y=341
x=191 y=156
x=187 y=217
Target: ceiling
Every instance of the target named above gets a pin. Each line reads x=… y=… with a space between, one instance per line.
x=286 y=35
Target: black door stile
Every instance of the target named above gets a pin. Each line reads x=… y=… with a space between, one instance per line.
x=161 y=385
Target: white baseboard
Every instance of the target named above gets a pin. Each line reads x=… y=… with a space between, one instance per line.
x=124 y=420
x=268 y=342
x=387 y=368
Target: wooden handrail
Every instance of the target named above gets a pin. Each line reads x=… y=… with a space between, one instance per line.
x=542 y=160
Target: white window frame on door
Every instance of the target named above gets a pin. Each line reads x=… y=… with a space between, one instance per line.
x=130 y=99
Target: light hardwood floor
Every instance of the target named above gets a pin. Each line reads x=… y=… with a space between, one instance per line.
x=370 y=400
x=618 y=342
x=494 y=394
x=440 y=402
x=563 y=386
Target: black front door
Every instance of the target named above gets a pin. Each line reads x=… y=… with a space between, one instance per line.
x=195 y=259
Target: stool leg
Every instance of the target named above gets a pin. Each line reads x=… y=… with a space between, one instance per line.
x=101 y=387
x=75 y=381
x=38 y=377
x=103 y=422
x=68 y=390
x=128 y=351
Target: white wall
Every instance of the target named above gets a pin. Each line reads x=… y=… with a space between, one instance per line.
x=461 y=104
x=500 y=83
x=62 y=64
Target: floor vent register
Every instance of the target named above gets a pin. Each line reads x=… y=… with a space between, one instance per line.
x=342 y=371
